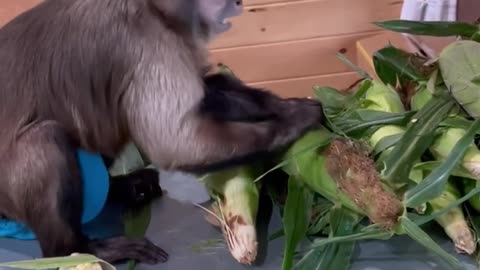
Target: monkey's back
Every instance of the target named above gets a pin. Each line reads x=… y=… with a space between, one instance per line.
x=64 y=60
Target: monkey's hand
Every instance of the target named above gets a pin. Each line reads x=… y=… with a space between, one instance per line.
x=136 y=188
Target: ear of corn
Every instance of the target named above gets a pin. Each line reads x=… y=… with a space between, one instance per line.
x=448 y=137
x=74 y=261
x=344 y=173
x=453 y=222
x=235 y=207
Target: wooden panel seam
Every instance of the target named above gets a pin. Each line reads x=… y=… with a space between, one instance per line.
x=306 y=19
x=290 y=59
x=319 y=38
x=302 y=77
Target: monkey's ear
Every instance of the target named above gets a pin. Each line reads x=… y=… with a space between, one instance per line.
x=217 y=12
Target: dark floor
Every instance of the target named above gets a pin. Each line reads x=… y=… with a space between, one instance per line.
x=179 y=227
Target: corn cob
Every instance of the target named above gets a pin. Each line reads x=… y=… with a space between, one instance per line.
x=453 y=222
x=234 y=210
x=343 y=173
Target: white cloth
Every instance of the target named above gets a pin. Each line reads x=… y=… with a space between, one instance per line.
x=429 y=10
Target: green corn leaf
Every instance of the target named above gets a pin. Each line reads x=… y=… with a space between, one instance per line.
x=440 y=29
x=315 y=139
x=474 y=221
x=331 y=99
x=391 y=63
x=433 y=185
x=417 y=234
x=372 y=232
x=136 y=223
x=129 y=160
x=363 y=119
x=420 y=220
x=460 y=66
x=57 y=262
x=336 y=255
x=458 y=171
x=349 y=63
x=322 y=219
x=416 y=140
x=457 y=122
x=387 y=142
x=295 y=219
x=276 y=234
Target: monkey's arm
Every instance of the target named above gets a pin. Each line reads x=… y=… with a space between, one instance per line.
x=229 y=99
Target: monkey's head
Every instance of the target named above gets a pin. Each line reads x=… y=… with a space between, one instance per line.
x=203 y=18
x=216 y=13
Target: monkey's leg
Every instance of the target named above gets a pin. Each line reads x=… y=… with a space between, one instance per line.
x=45 y=188
x=136 y=188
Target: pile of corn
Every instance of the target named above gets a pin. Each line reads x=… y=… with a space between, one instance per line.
x=397 y=153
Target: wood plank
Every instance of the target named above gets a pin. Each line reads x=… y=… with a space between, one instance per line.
x=306 y=19
x=11 y=8
x=303 y=87
x=248 y=3
x=289 y=59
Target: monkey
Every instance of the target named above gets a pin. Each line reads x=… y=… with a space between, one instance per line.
x=97 y=74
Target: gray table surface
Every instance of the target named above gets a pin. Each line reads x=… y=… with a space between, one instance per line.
x=178 y=226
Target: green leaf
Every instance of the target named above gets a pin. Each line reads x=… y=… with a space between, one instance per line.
x=420 y=220
x=440 y=29
x=276 y=234
x=349 y=63
x=58 y=262
x=136 y=223
x=337 y=255
x=417 y=234
x=457 y=122
x=338 y=106
x=387 y=142
x=372 y=232
x=295 y=219
x=416 y=140
x=320 y=223
x=130 y=159
x=331 y=99
x=433 y=185
x=361 y=120
x=460 y=66
x=458 y=171
x=391 y=63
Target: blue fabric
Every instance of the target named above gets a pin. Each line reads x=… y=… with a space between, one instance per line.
x=95 y=191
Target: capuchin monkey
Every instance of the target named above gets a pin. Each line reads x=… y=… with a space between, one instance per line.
x=97 y=74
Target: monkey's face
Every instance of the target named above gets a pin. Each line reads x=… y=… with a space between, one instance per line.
x=218 y=12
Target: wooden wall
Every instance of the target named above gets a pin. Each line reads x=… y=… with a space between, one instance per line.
x=291 y=45
x=287 y=45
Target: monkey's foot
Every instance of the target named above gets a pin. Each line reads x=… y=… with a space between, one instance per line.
x=120 y=248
